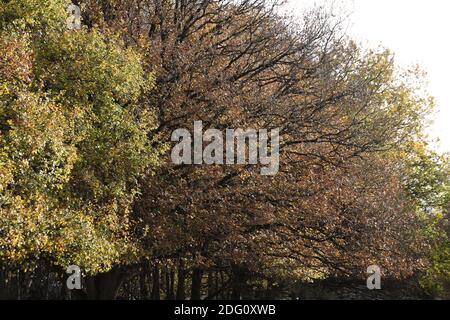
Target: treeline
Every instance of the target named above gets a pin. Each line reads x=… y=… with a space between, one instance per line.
x=86 y=118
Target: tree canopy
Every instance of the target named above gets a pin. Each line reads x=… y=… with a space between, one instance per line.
x=86 y=178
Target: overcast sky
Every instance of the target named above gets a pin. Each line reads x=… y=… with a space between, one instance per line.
x=418 y=31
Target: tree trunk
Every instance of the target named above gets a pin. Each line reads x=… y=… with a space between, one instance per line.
x=156 y=295
x=224 y=294
x=211 y=289
x=143 y=285
x=104 y=286
x=181 y=290
x=196 y=284
x=170 y=284
x=238 y=283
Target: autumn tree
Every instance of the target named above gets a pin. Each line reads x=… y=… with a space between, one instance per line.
x=73 y=141
x=342 y=110
x=88 y=111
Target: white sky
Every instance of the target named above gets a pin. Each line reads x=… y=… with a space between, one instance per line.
x=418 y=31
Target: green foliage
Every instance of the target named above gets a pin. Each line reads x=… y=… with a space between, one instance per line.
x=429 y=179
x=37 y=15
x=428 y=183
x=436 y=280
x=73 y=141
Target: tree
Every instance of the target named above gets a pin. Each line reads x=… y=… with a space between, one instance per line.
x=427 y=181
x=84 y=121
x=73 y=141
x=340 y=109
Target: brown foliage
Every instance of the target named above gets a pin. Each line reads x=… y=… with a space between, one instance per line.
x=336 y=206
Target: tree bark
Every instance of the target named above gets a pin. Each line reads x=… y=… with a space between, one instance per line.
x=211 y=289
x=181 y=290
x=170 y=284
x=238 y=283
x=156 y=295
x=196 y=286
x=143 y=285
x=105 y=286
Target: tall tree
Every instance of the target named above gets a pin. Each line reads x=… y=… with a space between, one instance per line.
x=73 y=140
